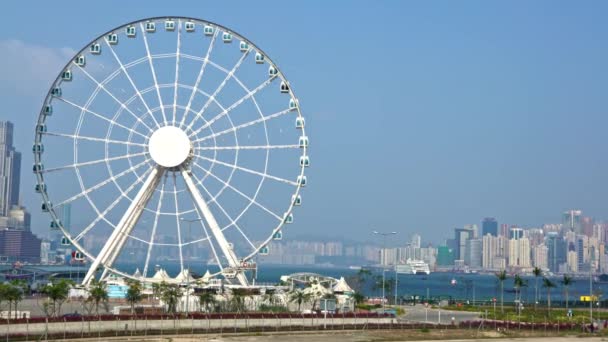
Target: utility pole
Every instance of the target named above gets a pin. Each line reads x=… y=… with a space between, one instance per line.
x=396 y=283
x=384 y=235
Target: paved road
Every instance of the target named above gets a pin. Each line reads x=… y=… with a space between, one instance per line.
x=420 y=313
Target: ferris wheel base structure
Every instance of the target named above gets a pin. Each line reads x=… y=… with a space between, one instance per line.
x=140 y=151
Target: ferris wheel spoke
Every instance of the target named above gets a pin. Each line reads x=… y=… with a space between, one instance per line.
x=177 y=224
x=244 y=169
x=213 y=226
x=116 y=241
x=241 y=126
x=102 y=215
x=154 y=226
x=233 y=106
x=112 y=122
x=208 y=238
x=220 y=87
x=101 y=184
x=102 y=87
x=228 y=185
x=126 y=73
x=93 y=162
x=179 y=45
x=246 y=147
x=198 y=78
x=232 y=221
x=160 y=100
x=82 y=137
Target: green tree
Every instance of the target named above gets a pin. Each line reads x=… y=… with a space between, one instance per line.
x=207 y=300
x=566 y=282
x=298 y=296
x=537 y=273
x=358 y=298
x=237 y=299
x=386 y=283
x=518 y=283
x=98 y=293
x=548 y=284
x=15 y=292
x=134 y=294
x=57 y=291
x=502 y=276
x=170 y=295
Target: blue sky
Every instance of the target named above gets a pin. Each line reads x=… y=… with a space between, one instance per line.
x=424 y=115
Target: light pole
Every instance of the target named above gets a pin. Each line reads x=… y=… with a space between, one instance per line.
x=188 y=264
x=384 y=235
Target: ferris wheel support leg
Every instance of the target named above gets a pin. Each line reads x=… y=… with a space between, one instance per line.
x=214 y=227
x=116 y=241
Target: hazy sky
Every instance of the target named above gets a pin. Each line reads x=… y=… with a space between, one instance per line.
x=423 y=116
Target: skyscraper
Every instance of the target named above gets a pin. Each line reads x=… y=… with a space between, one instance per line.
x=461 y=237
x=489 y=226
x=557 y=249
x=10 y=168
x=571 y=221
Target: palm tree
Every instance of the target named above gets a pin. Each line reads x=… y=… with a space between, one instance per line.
x=299 y=296
x=518 y=283
x=537 y=273
x=548 y=284
x=206 y=299
x=134 y=294
x=57 y=291
x=502 y=276
x=566 y=282
x=98 y=293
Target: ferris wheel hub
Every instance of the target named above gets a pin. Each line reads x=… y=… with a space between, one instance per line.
x=169 y=146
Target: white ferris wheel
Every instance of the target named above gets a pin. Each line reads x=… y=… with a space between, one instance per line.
x=170 y=139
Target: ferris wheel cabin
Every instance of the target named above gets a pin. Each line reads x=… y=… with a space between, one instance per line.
x=112 y=38
x=169 y=25
x=130 y=31
x=150 y=27
x=96 y=49
x=81 y=61
x=190 y=27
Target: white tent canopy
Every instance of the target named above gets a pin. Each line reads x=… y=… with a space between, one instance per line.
x=342 y=286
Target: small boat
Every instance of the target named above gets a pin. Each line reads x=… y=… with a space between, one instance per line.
x=453 y=282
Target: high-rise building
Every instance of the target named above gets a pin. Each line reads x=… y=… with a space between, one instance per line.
x=540 y=255
x=10 y=169
x=416 y=241
x=519 y=252
x=473 y=256
x=19 y=245
x=445 y=256
x=516 y=233
x=504 y=230
x=571 y=221
x=572 y=261
x=556 y=251
x=587 y=226
x=461 y=237
x=473 y=229
x=492 y=247
x=489 y=226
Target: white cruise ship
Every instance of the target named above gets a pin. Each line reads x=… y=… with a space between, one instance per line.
x=413 y=267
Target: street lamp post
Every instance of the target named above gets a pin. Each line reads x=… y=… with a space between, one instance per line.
x=188 y=264
x=384 y=235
